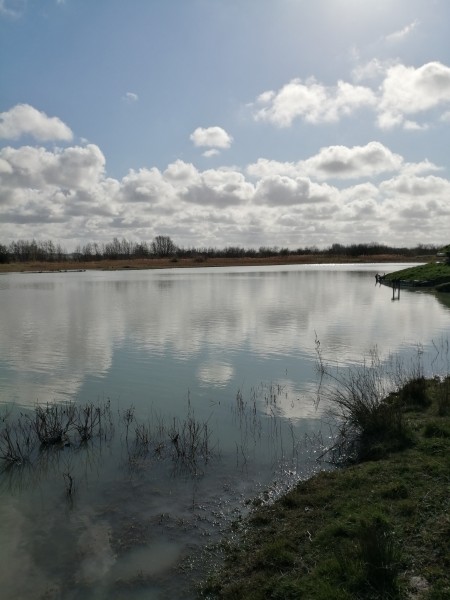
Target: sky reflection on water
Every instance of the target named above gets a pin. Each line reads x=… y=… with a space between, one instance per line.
x=121 y=334
x=235 y=348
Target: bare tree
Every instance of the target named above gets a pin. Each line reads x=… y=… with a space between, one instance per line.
x=162 y=245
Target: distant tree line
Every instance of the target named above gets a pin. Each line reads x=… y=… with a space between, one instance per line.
x=47 y=251
x=354 y=250
x=163 y=246
x=26 y=251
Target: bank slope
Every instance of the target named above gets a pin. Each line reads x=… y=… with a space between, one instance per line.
x=431 y=275
x=377 y=529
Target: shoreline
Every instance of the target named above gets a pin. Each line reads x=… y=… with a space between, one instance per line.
x=433 y=276
x=377 y=528
x=201 y=262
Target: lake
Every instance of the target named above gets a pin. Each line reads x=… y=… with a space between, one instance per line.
x=207 y=379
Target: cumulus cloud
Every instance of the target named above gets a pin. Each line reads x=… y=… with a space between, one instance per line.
x=373 y=69
x=409 y=91
x=24 y=119
x=48 y=187
x=424 y=166
x=311 y=101
x=356 y=193
x=145 y=185
x=403 y=92
x=181 y=174
x=335 y=162
x=213 y=137
x=64 y=192
x=415 y=186
x=73 y=168
x=359 y=161
x=219 y=187
x=264 y=167
x=361 y=192
x=285 y=191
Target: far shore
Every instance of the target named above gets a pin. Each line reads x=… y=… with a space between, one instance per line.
x=200 y=261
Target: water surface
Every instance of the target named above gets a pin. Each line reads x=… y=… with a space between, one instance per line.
x=234 y=348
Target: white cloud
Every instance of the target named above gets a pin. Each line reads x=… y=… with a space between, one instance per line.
x=403 y=92
x=147 y=186
x=401 y=34
x=360 y=192
x=12 y=8
x=415 y=186
x=334 y=162
x=219 y=187
x=73 y=168
x=359 y=161
x=264 y=167
x=65 y=194
x=58 y=187
x=214 y=137
x=373 y=69
x=425 y=166
x=414 y=126
x=5 y=167
x=131 y=97
x=211 y=153
x=23 y=119
x=282 y=190
x=409 y=91
x=311 y=101
x=181 y=174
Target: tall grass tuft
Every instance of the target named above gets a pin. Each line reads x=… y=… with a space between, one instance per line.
x=365 y=404
x=443 y=397
x=414 y=393
x=379 y=555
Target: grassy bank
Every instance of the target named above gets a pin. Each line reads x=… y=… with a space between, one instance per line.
x=201 y=261
x=432 y=275
x=379 y=528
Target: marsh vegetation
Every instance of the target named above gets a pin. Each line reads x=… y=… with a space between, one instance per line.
x=62 y=450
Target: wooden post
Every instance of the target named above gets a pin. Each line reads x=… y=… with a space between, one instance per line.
x=395 y=286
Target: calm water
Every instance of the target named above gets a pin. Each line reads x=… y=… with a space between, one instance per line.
x=233 y=347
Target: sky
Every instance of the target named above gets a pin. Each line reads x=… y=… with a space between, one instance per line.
x=287 y=123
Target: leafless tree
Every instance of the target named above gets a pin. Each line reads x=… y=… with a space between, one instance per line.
x=162 y=245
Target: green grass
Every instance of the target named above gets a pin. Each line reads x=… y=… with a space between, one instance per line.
x=434 y=273
x=369 y=530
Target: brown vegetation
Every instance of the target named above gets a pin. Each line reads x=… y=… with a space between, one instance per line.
x=200 y=261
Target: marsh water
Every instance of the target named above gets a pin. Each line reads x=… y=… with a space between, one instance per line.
x=231 y=351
